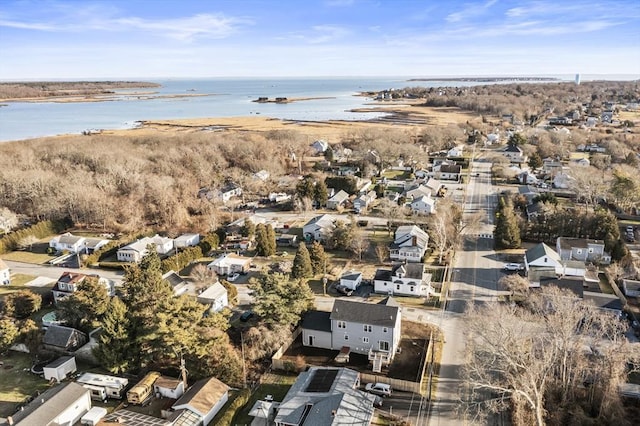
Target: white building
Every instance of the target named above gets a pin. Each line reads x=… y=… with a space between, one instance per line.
x=351 y=280
x=64 y=404
x=230 y=263
x=102 y=386
x=135 y=251
x=60 y=368
x=5 y=273
x=319 y=228
x=408 y=279
x=410 y=244
x=216 y=297
x=186 y=240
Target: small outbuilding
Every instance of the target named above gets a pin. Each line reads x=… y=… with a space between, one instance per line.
x=168 y=387
x=93 y=416
x=60 y=368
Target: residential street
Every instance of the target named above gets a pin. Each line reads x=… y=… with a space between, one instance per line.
x=54 y=272
x=473 y=278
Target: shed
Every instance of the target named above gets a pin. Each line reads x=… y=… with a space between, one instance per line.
x=60 y=368
x=168 y=387
x=93 y=416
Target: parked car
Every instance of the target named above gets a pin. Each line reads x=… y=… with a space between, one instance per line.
x=233 y=277
x=378 y=401
x=246 y=316
x=380 y=389
x=514 y=267
x=344 y=290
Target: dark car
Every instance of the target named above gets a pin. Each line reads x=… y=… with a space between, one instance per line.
x=246 y=316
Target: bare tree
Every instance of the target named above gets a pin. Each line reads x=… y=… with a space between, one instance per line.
x=536 y=358
x=382 y=252
x=8 y=220
x=359 y=244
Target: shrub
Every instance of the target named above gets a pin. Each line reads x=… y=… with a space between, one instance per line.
x=11 y=242
x=178 y=261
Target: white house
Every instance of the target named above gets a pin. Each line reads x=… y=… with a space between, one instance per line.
x=582 y=249
x=215 y=297
x=186 y=240
x=323 y=396
x=64 y=404
x=408 y=279
x=543 y=256
x=562 y=180
x=363 y=201
x=417 y=192
x=447 y=171
x=201 y=402
x=229 y=263
x=68 y=284
x=67 y=242
x=351 y=279
x=60 y=368
x=365 y=328
x=135 y=251
x=410 y=244
x=168 y=387
x=320 y=146
x=5 y=273
x=423 y=205
x=456 y=151
x=319 y=228
x=262 y=175
x=338 y=200
x=229 y=191
x=514 y=153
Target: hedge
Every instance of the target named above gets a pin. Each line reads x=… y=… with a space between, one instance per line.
x=178 y=261
x=39 y=230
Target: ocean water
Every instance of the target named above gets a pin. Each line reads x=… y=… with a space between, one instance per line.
x=226 y=97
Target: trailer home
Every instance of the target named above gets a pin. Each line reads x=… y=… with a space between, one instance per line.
x=102 y=386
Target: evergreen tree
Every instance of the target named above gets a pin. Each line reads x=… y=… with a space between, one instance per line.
x=321 y=194
x=115 y=349
x=302 y=263
x=262 y=246
x=271 y=240
x=248 y=229
x=21 y=304
x=318 y=258
x=86 y=305
x=506 y=233
x=342 y=236
x=305 y=188
x=278 y=303
x=517 y=139
x=535 y=161
x=8 y=334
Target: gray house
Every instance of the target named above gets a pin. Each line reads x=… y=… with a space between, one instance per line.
x=326 y=396
x=582 y=249
x=363 y=328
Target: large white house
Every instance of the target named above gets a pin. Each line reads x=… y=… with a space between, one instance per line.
x=408 y=279
x=68 y=284
x=364 y=328
x=229 y=263
x=64 y=404
x=410 y=244
x=76 y=244
x=135 y=251
x=319 y=228
x=423 y=205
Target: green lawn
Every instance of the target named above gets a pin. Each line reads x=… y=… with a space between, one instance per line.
x=17 y=283
x=16 y=384
x=276 y=384
x=37 y=254
x=397 y=174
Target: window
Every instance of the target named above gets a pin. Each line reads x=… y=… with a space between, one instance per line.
x=365 y=340
x=383 y=345
x=342 y=324
x=346 y=336
x=385 y=329
x=397 y=286
x=579 y=251
x=411 y=289
x=367 y=328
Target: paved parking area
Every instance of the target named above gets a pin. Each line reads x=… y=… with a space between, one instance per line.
x=406 y=405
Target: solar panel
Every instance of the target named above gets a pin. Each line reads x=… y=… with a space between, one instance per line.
x=322 y=380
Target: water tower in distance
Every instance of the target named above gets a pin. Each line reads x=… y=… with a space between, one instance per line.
x=577 y=79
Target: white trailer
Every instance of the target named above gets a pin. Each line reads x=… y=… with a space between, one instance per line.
x=102 y=386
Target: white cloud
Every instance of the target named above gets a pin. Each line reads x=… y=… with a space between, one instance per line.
x=470 y=10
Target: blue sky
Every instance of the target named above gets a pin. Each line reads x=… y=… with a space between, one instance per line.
x=197 y=38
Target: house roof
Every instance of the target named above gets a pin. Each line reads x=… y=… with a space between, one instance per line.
x=317 y=320
x=364 y=313
x=60 y=336
x=632 y=285
x=139 y=245
x=58 y=362
x=383 y=275
x=174 y=280
x=409 y=270
x=93 y=242
x=56 y=400
x=127 y=417
x=604 y=301
x=406 y=233
x=513 y=148
x=203 y=395
x=167 y=382
x=229 y=259
x=418 y=192
x=322 y=221
x=326 y=396
x=351 y=276
x=450 y=168
x=567 y=243
x=540 y=250
x=214 y=292
x=72 y=277
x=69 y=239
x=340 y=196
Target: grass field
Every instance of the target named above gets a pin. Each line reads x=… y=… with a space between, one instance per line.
x=37 y=254
x=17 y=283
x=17 y=382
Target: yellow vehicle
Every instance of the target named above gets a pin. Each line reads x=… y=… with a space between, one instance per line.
x=143 y=389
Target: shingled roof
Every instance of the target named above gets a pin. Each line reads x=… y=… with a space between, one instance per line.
x=366 y=313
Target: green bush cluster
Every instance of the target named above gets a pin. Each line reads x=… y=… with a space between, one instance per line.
x=182 y=259
x=103 y=252
x=113 y=265
x=240 y=401
x=42 y=229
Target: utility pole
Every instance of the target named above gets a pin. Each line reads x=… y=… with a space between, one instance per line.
x=244 y=367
